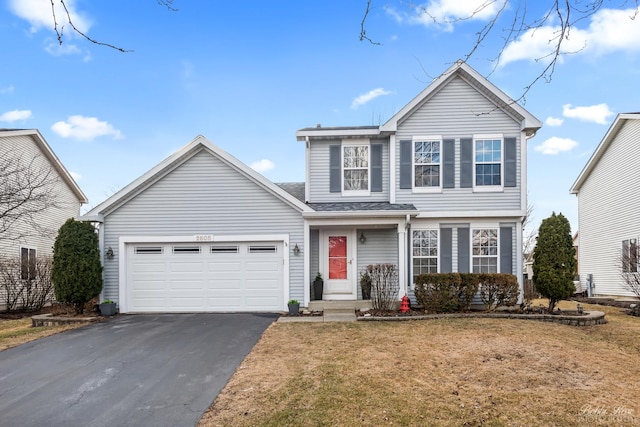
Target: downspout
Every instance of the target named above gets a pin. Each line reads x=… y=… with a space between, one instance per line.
x=307 y=171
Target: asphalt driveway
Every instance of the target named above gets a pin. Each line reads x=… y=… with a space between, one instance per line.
x=136 y=370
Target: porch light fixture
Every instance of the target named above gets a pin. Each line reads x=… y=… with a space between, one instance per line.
x=109 y=253
x=362 y=238
x=296 y=250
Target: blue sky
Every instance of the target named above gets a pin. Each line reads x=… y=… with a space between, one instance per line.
x=247 y=75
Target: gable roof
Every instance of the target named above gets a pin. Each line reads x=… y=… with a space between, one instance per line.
x=177 y=159
x=40 y=142
x=528 y=123
x=611 y=134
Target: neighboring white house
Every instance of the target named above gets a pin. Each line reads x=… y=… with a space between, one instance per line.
x=28 y=152
x=440 y=187
x=609 y=208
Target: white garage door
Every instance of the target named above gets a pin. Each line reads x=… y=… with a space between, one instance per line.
x=205 y=277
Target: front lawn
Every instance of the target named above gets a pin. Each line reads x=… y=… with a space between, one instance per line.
x=18 y=331
x=446 y=372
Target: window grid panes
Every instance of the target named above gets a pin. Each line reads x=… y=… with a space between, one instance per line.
x=484 y=249
x=27 y=263
x=356 y=167
x=425 y=252
x=630 y=256
x=488 y=159
x=426 y=163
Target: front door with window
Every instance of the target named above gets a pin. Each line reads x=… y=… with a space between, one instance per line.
x=338 y=265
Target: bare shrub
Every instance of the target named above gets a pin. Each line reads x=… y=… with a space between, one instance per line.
x=498 y=289
x=384 y=285
x=31 y=294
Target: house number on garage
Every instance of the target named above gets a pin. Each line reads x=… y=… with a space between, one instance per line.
x=204 y=238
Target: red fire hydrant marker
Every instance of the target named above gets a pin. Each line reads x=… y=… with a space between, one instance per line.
x=404 y=304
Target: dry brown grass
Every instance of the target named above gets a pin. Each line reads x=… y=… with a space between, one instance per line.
x=454 y=372
x=19 y=331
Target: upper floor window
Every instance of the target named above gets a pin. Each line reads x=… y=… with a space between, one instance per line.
x=629 y=256
x=484 y=250
x=488 y=161
x=426 y=162
x=27 y=263
x=355 y=168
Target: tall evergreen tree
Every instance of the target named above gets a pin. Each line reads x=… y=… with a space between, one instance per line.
x=77 y=271
x=554 y=262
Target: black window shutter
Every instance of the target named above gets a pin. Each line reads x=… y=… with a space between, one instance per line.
x=510 y=162
x=448 y=163
x=406 y=162
x=464 y=251
x=335 y=169
x=446 y=259
x=466 y=163
x=376 y=168
x=506 y=250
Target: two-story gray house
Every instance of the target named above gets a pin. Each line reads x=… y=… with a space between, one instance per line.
x=440 y=187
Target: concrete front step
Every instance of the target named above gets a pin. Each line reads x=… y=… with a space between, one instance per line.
x=326 y=305
x=339 y=315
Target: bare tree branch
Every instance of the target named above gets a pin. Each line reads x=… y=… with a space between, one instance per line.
x=27 y=191
x=363 y=32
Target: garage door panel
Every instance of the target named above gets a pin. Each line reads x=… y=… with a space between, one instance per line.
x=247 y=278
x=149 y=267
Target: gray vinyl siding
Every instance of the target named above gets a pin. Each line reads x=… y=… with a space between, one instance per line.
x=204 y=196
x=381 y=247
x=319 y=171
x=608 y=206
x=68 y=205
x=459 y=111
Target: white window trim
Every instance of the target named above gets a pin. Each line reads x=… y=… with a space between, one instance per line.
x=489 y=188
x=475 y=227
x=355 y=143
x=424 y=228
x=425 y=138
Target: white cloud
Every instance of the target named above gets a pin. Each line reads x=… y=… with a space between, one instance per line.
x=15 y=115
x=553 y=121
x=609 y=30
x=364 y=98
x=75 y=175
x=38 y=13
x=263 y=165
x=445 y=13
x=594 y=113
x=555 y=145
x=84 y=128
x=8 y=89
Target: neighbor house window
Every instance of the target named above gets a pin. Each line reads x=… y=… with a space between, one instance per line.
x=425 y=252
x=484 y=249
x=426 y=163
x=355 y=167
x=630 y=256
x=27 y=263
x=488 y=162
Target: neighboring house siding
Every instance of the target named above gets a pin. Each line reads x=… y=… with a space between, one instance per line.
x=608 y=206
x=459 y=111
x=51 y=220
x=319 y=174
x=381 y=247
x=204 y=196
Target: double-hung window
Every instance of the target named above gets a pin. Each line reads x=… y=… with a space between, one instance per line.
x=629 y=256
x=355 y=168
x=484 y=250
x=425 y=252
x=488 y=162
x=426 y=162
x=27 y=263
